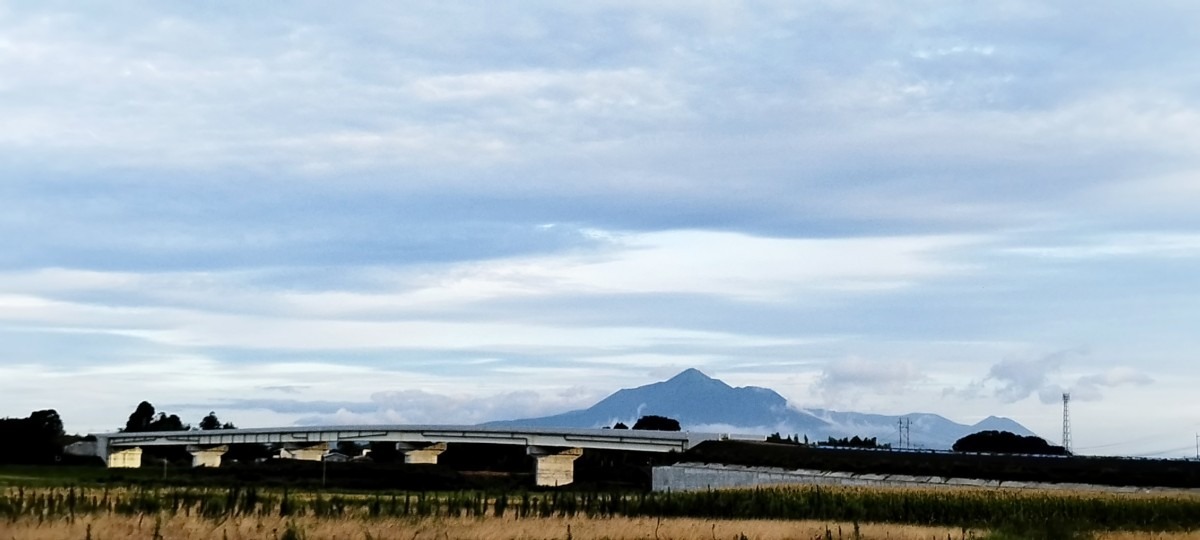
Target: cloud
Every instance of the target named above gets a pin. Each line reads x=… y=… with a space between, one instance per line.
x=421 y=306
x=1019 y=378
x=412 y=406
x=285 y=388
x=1167 y=245
x=845 y=380
x=1015 y=379
x=1091 y=387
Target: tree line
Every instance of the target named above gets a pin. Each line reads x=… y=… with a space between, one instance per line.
x=145 y=418
x=36 y=439
x=40 y=439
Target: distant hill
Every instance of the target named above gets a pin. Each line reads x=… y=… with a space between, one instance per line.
x=702 y=403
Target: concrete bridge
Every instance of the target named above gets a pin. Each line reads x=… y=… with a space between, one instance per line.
x=554 y=449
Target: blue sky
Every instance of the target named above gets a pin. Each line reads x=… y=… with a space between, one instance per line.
x=445 y=212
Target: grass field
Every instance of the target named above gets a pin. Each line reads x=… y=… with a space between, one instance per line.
x=807 y=512
x=40 y=475
x=88 y=504
x=194 y=527
x=257 y=528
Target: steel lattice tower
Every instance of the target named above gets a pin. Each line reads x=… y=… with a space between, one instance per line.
x=1066 y=438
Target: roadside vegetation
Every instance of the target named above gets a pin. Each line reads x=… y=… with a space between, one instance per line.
x=957 y=513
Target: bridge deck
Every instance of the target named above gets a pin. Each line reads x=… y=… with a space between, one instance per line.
x=607 y=439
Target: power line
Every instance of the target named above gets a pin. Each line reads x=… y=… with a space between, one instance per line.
x=1141 y=439
x=1168 y=451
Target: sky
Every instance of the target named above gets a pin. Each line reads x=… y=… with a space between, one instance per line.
x=454 y=212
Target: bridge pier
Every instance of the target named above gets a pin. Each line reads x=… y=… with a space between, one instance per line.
x=207 y=457
x=306 y=452
x=423 y=453
x=553 y=466
x=127 y=458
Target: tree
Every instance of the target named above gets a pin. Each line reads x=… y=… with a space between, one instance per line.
x=212 y=422
x=35 y=439
x=1005 y=442
x=141 y=418
x=791 y=439
x=145 y=419
x=162 y=422
x=852 y=442
x=47 y=423
x=620 y=425
x=657 y=423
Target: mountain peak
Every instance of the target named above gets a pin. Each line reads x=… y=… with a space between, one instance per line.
x=690 y=375
x=1000 y=423
x=692 y=380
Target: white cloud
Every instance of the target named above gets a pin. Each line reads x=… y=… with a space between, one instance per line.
x=738 y=265
x=1124 y=245
x=1016 y=378
x=212 y=309
x=845 y=381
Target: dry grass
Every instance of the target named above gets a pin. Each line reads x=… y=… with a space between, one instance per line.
x=1155 y=493
x=188 y=528
x=1128 y=535
x=272 y=528
x=357 y=525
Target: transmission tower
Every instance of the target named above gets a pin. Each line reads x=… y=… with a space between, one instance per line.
x=1066 y=438
x=904 y=426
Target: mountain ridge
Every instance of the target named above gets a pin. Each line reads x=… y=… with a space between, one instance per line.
x=703 y=403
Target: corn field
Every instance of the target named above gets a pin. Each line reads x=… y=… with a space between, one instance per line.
x=964 y=508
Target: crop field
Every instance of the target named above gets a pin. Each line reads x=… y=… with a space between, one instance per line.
x=806 y=512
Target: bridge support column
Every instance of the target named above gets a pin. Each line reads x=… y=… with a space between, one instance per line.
x=424 y=453
x=207 y=457
x=553 y=466
x=123 y=458
x=304 y=453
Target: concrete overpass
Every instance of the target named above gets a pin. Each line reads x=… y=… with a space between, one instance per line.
x=554 y=449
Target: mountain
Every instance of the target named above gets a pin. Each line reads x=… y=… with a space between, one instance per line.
x=693 y=398
x=702 y=403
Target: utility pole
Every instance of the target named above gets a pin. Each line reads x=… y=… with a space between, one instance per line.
x=908 y=432
x=1198 y=446
x=900 y=432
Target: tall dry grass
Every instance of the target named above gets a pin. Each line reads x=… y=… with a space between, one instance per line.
x=310 y=528
x=95 y=514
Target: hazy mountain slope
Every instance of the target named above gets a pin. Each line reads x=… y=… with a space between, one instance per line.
x=700 y=402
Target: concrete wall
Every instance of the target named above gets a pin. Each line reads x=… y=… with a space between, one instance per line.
x=129 y=458
x=304 y=453
x=554 y=466
x=421 y=453
x=700 y=476
x=207 y=457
